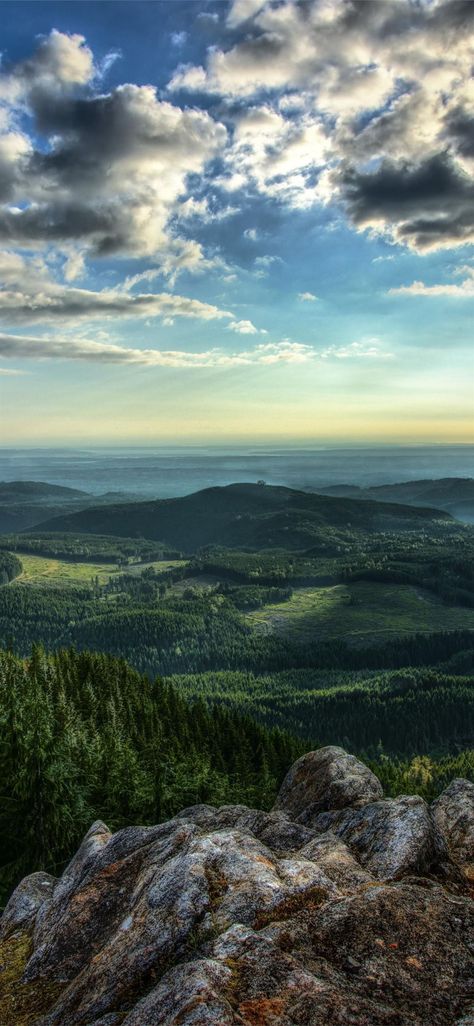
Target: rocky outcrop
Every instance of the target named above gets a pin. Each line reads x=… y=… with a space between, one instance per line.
x=351 y=915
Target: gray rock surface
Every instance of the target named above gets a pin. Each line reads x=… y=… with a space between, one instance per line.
x=453 y=814
x=327 y=779
x=391 y=838
x=195 y=993
x=238 y=917
x=273 y=828
x=25 y=902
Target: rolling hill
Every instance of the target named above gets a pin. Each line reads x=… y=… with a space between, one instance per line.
x=250 y=516
x=25 y=504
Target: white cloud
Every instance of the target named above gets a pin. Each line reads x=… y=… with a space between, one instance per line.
x=59 y=62
x=365 y=350
x=307 y=297
x=27 y=347
x=284 y=352
x=78 y=347
x=243 y=327
x=365 y=103
x=243 y=10
x=103 y=171
x=200 y=209
x=28 y=294
x=464 y=290
x=277 y=154
x=74 y=265
x=179 y=38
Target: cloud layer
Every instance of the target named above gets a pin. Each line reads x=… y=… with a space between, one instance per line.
x=103 y=170
x=367 y=104
x=362 y=109
x=29 y=347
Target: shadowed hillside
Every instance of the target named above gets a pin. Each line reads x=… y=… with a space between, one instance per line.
x=246 y=515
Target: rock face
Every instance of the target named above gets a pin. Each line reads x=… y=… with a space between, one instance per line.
x=237 y=917
x=25 y=902
x=454 y=816
x=391 y=838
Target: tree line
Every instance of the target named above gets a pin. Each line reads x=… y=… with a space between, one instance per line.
x=84 y=736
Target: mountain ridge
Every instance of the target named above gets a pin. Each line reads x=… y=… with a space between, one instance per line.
x=453 y=494
x=245 y=514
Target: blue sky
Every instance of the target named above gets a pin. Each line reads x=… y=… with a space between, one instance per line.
x=236 y=221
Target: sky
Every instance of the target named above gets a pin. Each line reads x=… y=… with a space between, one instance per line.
x=236 y=221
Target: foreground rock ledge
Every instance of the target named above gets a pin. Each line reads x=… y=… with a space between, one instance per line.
x=338 y=908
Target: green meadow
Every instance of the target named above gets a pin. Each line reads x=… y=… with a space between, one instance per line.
x=45 y=570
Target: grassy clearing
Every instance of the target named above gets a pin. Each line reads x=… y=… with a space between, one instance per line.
x=44 y=570
x=359 y=612
x=203 y=584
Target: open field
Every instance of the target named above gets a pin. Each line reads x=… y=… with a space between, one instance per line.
x=359 y=611
x=44 y=570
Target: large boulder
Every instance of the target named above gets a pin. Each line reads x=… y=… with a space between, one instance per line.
x=337 y=862
x=391 y=838
x=453 y=814
x=328 y=778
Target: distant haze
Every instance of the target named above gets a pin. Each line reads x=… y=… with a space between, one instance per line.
x=166 y=472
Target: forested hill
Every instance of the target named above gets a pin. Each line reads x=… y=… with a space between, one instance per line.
x=36 y=491
x=244 y=515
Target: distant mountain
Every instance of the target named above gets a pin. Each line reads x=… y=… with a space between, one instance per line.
x=254 y=516
x=453 y=494
x=25 y=504
x=13 y=492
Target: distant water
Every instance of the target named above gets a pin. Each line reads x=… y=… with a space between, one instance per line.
x=164 y=472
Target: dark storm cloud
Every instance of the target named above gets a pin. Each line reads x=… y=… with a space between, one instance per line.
x=426 y=202
x=57 y=223
x=104 y=169
x=460 y=130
